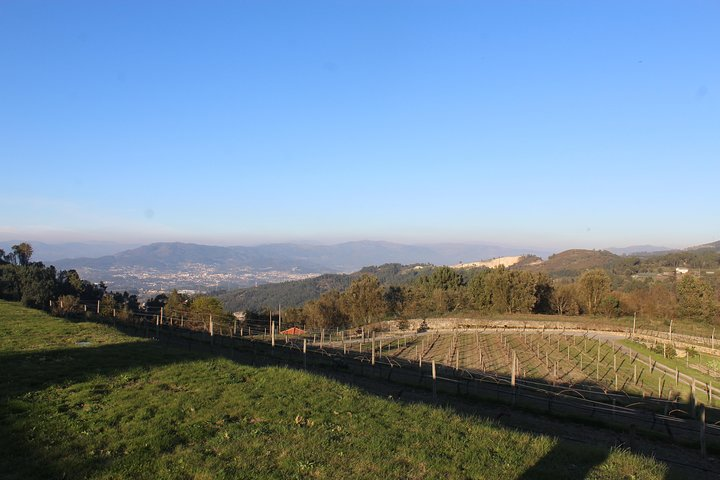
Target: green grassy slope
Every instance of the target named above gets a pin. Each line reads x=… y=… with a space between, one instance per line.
x=79 y=400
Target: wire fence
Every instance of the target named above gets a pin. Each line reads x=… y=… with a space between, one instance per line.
x=389 y=356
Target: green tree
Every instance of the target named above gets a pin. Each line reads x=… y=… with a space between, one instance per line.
x=479 y=292
x=107 y=305
x=37 y=285
x=364 y=300
x=176 y=305
x=22 y=252
x=522 y=291
x=395 y=300
x=564 y=300
x=593 y=286
x=443 y=278
x=327 y=311
x=203 y=306
x=543 y=294
x=696 y=298
x=67 y=305
x=9 y=282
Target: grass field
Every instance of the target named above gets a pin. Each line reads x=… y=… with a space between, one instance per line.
x=80 y=400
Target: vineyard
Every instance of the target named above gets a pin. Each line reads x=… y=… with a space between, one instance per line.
x=583 y=362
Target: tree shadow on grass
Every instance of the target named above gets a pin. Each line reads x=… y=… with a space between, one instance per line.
x=27 y=372
x=22 y=454
x=563 y=461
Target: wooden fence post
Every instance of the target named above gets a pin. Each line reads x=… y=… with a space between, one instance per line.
x=212 y=331
x=434 y=376
x=692 y=399
x=272 y=334
x=703 y=447
x=305 y=353
x=98 y=307
x=512 y=369
x=712 y=339
x=709 y=385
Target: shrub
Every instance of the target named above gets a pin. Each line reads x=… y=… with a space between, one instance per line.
x=67 y=305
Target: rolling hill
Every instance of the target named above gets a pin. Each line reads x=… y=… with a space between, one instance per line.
x=296 y=293
x=158 y=266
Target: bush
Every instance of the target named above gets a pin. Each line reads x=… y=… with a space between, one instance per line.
x=668 y=350
x=67 y=306
x=403 y=324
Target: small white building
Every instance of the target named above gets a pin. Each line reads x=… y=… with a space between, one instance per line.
x=681 y=270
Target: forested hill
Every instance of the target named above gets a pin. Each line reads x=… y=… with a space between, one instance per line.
x=567 y=265
x=296 y=293
x=570 y=263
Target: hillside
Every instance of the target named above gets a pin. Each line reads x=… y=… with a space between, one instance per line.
x=81 y=400
x=495 y=262
x=156 y=266
x=714 y=246
x=296 y=293
x=575 y=261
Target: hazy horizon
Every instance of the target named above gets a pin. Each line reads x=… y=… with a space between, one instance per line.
x=229 y=243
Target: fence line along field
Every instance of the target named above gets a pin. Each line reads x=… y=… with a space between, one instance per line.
x=84 y=400
x=570 y=360
x=592 y=376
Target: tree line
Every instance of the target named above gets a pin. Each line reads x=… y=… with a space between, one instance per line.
x=502 y=290
x=38 y=286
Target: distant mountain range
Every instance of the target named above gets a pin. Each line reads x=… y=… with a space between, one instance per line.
x=345 y=257
x=50 y=252
x=192 y=266
x=162 y=266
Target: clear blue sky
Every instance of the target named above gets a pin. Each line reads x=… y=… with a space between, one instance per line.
x=549 y=124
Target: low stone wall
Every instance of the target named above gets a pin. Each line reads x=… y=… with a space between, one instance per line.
x=473 y=323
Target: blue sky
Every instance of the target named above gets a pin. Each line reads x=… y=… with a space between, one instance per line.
x=534 y=123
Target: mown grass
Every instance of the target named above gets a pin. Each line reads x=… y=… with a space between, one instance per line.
x=80 y=400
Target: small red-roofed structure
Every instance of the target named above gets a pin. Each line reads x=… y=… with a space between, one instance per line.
x=293 y=331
